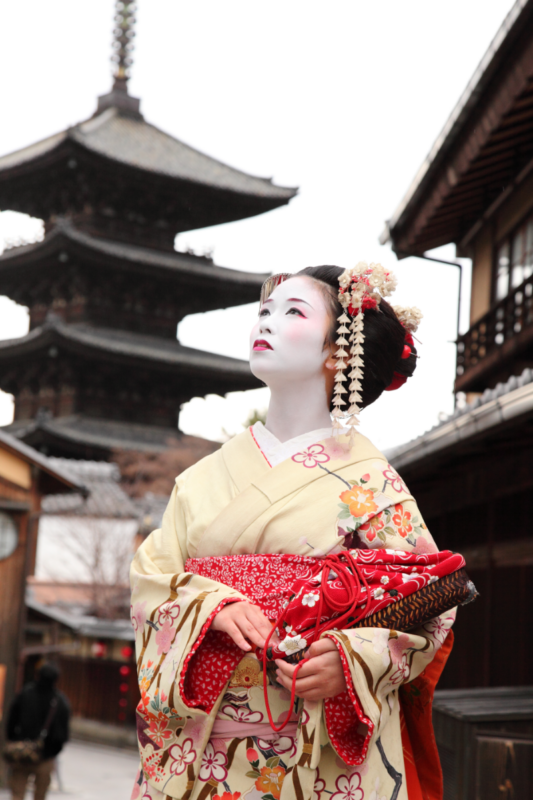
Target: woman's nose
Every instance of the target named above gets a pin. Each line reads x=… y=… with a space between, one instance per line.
x=265 y=326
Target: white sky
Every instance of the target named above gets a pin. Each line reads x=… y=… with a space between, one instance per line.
x=343 y=99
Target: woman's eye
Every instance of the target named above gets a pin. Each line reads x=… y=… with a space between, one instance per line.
x=264 y=312
x=296 y=311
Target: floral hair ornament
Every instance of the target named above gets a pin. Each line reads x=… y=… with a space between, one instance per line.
x=410 y=319
x=271 y=283
x=360 y=288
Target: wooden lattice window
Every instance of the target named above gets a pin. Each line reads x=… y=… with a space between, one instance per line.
x=514 y=260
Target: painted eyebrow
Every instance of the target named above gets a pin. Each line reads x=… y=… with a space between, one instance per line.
x=299 y=300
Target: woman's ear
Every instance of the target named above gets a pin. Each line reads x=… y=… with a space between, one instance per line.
x=331 y=363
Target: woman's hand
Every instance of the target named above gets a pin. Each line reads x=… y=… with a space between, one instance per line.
x=243 y=621
x=321 y=676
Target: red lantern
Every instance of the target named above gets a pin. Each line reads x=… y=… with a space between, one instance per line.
x=127 y=652
x=124 y=671
x=123 y=687
x=123 y=702
x=122 y=716
x=99 y=649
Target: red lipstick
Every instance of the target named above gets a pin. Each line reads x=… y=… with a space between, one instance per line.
x=262 y=344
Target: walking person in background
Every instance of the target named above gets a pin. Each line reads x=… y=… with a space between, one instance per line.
x=39 y=710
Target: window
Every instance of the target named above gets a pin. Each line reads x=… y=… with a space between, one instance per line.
x=514 y=260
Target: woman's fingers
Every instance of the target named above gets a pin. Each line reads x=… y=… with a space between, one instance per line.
x=236 y=634
x=321 y=646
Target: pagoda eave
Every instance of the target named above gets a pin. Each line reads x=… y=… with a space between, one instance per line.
x=93 y=438
x=66 y=248
x=113 y=164
x=131 y=351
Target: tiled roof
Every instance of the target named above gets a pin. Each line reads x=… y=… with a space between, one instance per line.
x=101 y=433
x=106 y=498
x=133 y=141
x=185 y=265
x=155 y=350
x=507 y=401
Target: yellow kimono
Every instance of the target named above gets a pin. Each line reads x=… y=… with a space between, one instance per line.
x=199 y=739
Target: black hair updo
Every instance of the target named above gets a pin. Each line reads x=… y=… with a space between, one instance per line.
x=384 y=336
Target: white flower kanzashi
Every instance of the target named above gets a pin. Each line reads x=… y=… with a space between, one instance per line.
x=292 y=644
x=378 y=593
x=360 y=287
x=310 y=599
x=409 y=316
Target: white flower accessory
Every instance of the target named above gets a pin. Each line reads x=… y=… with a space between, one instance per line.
x=360 y=287
x=410 y=317
x=292 y=644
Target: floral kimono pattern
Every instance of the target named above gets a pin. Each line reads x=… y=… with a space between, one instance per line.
x=202 y=723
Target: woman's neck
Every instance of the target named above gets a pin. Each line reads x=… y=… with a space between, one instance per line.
x=297 y=408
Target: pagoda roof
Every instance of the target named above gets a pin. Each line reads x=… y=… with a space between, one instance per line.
x=228 y=374
x=116 y=137
x=241 y=287
x=96 y=436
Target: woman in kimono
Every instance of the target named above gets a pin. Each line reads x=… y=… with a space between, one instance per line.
x=303 y=485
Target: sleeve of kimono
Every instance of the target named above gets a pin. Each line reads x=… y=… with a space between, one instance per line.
x=172 y=611
x=377 y=661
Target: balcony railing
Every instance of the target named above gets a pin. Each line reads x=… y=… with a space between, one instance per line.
x=507 y=320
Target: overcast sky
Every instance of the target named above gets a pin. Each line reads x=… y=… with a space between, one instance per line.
x=342 y=99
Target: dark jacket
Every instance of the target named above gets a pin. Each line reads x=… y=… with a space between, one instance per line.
x=28 y=714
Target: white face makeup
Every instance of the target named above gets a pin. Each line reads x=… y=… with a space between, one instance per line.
x=287 y=341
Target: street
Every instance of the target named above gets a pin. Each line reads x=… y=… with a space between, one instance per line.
x=91 y=772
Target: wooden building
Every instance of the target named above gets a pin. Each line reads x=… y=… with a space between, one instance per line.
x=101 y=367
x=473 y=473
x=25 y=476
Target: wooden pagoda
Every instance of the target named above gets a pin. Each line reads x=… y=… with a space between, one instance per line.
x=101 y=367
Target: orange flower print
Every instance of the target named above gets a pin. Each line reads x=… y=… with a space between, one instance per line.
x=270 y=781
x=370 y=529
x=227 y=796
x=402 y=520
x=360 y=501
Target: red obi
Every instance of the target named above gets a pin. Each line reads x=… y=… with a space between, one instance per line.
x=308 y=595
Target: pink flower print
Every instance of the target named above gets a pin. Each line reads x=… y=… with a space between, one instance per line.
x=180 y=756
x=159 y=730
x=336 y=450
x=213 y=765
x=319 y=786
x=285 y=745
x=348 y=788
x=425 y=547
x=402 y=672
x=437 y=629
x=398 y=646
x=315 y=454
x=392 y=477
x=136 y=786
x=168 y=612
x=138 y=615
x=375 y=795
x=163 y=638
x=242 y=714
x=380 y=641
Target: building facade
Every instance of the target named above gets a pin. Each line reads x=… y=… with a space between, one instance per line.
x=472 y=474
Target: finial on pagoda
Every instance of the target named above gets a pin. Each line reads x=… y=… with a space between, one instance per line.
x=123 y=35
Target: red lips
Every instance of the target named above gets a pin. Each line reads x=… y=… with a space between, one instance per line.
x=262 y=344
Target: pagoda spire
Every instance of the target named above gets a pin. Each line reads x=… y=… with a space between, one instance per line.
x=123 y=45
x=123 y=36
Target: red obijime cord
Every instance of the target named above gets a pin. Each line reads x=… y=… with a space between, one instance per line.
x=354 y=583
